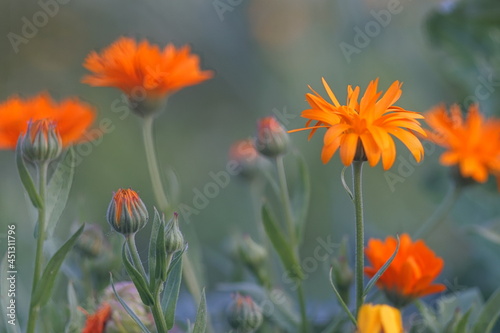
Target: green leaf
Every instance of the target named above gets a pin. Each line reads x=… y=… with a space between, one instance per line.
x=161 y=255
x=26 y=179
x=152 y=249
x=171 y=293
x=489 y=314
x=137 y=278
x=346 y=187
x=281 y=244
x=127 y=308
x=4 y=301
x=429 y=317
x=302 y=194
x=73 y=324
x=200 y=323
x=58 y=189
x=341 y=301
x=461 y=326
x=463 y=300
x=46 y=282
x=382 y=270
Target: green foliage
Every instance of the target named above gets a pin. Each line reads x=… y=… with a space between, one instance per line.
x=200 y=323
x=26 y=178
x=171 y=292
x=46 y=282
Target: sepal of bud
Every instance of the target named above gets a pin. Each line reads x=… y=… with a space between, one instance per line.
x=174 y=240
x=42 y=142
x=244 y=315
x=126 y=213
x=272 y=138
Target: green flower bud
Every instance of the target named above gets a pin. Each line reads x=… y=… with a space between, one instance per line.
x=244 y=315
x=248 y=160
x=120 y=321
x=127 y=214
x=251 y=253
x=272 y=139
x=91 y=242
x=42 y=142
x=174 y=240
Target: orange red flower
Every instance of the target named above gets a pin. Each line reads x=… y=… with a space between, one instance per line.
x=130 y=66
x=364 y=129
x=71 y=116
x=379 y=318
x=411 y=273
x=96 y=323
x=472 y=143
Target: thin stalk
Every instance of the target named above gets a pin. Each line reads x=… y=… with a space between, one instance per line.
x=161 y=324
x=136 y=259
x=147 y=134
x=42 y=221
x=441 y=211
x=285 y=198
x=357 y=173
x=161 y=199
x=303 y=314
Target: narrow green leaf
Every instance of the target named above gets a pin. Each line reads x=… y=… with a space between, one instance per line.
x=281 y=244
x=200 y=323
x=302 y=194
x=73 y=323
x=46 y=283
x=428 y=316
x=341 y=301
x=489 y=314
x=176 y=257
x=171 y=293
x=382 y=269
x=346 y=187
x=462 y=324
x=161 y=255
x=127 y=308
x=26 y=179
x=4 y=301
x=58 y=189
x=137 y=278
x=152 y=248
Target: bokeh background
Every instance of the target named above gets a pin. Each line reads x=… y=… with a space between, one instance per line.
x=265 y=53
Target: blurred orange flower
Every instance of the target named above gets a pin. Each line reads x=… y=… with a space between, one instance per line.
x=96 y=323
x=379 y=318
x=411 y=273
x=362 y=130
x=71 y=116
x=472 y=143
x=129 y=66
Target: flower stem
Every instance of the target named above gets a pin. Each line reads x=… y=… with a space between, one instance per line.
x=147 y=134
x=42 y=221
x=441 y=211
x=161 y=325
x=187 y=267
x=285 y=198
x=136 y=259
x=357 y=173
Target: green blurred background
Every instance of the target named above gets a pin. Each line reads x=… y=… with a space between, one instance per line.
x=265 y=53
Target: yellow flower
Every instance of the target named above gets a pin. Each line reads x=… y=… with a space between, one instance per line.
x=379 y=319
x=364 y=130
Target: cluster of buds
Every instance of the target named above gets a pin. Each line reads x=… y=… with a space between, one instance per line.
x=42 y=142
x=244 y=315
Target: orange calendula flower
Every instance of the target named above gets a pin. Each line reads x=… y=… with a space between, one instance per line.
x=379 y=319
x=144 y=68
x=473 y=143
x=72 y=118
x=96 y=323
x=411 y=273
x=364 y=129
